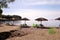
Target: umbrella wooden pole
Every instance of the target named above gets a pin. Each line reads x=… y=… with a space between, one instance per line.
x=25 y=21
x=41 y=22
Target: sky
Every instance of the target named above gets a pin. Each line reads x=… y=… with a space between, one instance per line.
x=33 y=9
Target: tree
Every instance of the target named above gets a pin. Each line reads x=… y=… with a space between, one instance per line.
x=1 y=12
x=12 y=18
x=4 y=4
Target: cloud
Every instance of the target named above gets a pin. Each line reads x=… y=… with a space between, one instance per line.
x=39 y=2
x=32 y=14
x=33 y=9
x=36 y=4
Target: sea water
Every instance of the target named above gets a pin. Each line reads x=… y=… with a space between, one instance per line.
x=49 y=23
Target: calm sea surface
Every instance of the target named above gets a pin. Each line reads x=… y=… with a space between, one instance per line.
x=50 y=23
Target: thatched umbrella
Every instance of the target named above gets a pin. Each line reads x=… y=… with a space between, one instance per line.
x=41 y=19
x=57 y=18
x=25 y=19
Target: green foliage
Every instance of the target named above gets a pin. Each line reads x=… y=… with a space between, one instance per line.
x=24 y=26
x=35 y=25
x=11 y=0
x=52 y=31
x=1 y=12
x=16 y=17
x=4 y=3
x=10 y=17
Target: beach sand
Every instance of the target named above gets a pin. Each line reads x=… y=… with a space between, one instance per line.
x=38 y=34
x=32 y=33
x=8 y=28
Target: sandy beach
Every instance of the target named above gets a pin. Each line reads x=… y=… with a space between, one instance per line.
x=32 y=33
x=37 y=34
x=8 y=28
x=29 y=19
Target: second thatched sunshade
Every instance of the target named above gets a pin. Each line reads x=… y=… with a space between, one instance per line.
x=41 y=19
x=25 y=19
x=58 y=19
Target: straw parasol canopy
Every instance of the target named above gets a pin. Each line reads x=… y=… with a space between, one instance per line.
x=57 y=18
x=41 y=19
x=25 y=19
